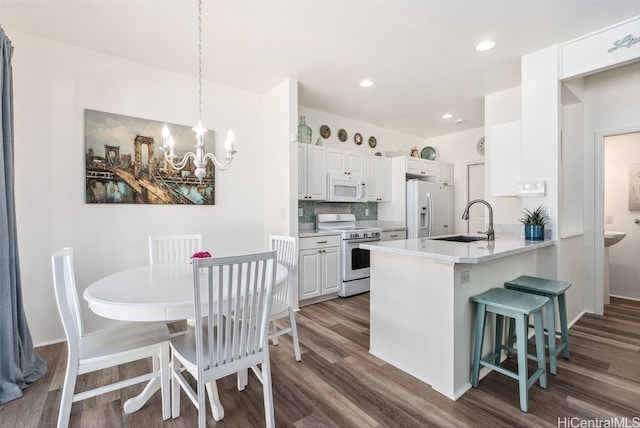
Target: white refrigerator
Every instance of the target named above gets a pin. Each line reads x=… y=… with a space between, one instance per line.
x=429 y=209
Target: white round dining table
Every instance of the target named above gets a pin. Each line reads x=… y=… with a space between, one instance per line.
x=161 y=292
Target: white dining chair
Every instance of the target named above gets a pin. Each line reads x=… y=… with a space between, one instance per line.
x=173 y=248
x=283 y=305
x=88 y=352
x=221 y=345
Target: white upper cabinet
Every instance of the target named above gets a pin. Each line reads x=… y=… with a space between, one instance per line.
x=341 y=162
x=505 y=158
x=378 y=173
x=420 y=167
x=312 y=172
x=444 y=173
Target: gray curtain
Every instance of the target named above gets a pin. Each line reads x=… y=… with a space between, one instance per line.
x=19 y=363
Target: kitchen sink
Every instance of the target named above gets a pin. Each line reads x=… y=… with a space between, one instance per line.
x=461 y=238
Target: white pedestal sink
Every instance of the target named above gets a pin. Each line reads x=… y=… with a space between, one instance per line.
x=610 y=238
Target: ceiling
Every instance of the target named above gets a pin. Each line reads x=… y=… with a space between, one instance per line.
x=419 y=53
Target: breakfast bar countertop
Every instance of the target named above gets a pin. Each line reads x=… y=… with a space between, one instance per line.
x=459 y=252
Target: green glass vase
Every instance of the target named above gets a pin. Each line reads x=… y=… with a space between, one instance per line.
x=304 y=132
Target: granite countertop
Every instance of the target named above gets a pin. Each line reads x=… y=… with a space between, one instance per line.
x=308 y=229
x=306 y=233
x=459 y=252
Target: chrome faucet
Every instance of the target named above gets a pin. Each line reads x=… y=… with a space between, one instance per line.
x=491 y=236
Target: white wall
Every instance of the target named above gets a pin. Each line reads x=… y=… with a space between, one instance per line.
x=459 y=149
x=387 y=139
x=53 y=84
x=572 y=160
x=619 y=153
x=540 y=126
x=280 y=179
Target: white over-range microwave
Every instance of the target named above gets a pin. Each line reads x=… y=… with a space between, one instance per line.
x=346 y=188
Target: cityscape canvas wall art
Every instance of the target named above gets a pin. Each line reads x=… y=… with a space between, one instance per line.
x=125 y=165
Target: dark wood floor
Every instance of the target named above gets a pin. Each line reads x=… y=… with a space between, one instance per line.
x=339 y=384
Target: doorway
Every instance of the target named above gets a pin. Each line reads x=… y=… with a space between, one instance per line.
x=599 y=214
x=621 y=208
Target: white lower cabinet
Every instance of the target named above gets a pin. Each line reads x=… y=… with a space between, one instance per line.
x=393 y=235
x=318 y=266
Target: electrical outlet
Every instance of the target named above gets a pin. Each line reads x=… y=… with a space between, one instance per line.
x=547 y=212
x=366 y=212
x=464 y=277
x=608 y=219
x=300 y=212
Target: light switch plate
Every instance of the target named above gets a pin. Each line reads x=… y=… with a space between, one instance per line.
x=464 y=277
x=300 y=212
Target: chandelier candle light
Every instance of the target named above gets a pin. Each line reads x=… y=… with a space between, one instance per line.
x=199 y=157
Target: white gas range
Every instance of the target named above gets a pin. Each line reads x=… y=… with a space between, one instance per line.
x=354 y=261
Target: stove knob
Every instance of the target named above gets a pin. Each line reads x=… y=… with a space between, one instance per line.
x=365 y=234
x=353 y=235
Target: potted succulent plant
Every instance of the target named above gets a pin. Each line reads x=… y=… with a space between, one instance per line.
x=534 y=222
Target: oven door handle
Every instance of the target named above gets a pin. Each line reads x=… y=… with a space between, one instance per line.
x=359 y=241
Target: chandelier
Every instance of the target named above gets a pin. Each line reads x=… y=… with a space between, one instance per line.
x=199 y=158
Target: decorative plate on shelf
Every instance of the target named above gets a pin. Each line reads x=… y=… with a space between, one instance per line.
x=428 y=153
x=480 y=146
x=373 y=142
x=342 y=135
x=325 y=131
x=357 y=138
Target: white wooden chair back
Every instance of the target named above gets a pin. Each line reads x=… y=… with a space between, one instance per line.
x=286 y=248
x=230 y=332
x=104 y=348
x=173 y=248
x=67 y=296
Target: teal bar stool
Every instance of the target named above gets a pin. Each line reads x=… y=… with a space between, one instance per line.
x=517 y=306
x=555 y=291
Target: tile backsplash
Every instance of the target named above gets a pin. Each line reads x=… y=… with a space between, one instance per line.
x=311 y=208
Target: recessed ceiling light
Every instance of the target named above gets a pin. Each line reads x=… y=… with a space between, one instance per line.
x=447 y=116
x=459 y=121
x=485 y=45
x=366 y=83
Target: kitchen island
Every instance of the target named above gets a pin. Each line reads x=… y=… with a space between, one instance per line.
x=421 y=318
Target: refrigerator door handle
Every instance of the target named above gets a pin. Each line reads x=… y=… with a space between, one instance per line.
x=430 y=210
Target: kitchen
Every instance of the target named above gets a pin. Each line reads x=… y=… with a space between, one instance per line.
x=563 y=227
x=469 y=138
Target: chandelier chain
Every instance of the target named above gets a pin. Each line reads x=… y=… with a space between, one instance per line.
x=200 y=59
